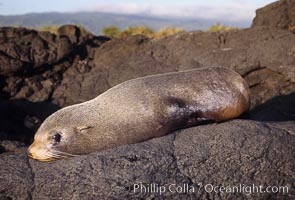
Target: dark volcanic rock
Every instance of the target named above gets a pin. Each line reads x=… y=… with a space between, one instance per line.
x=30 y=51
x=16 y=180
x=280 y=108
x=264 y=56
x=226 y=154
x=280 y=14
x=70 y=31
x=26 y=89
x=20 y=118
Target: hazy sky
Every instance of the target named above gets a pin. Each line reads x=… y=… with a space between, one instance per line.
x=228 y=9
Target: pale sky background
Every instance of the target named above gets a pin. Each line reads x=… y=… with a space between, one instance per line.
x=225 y=9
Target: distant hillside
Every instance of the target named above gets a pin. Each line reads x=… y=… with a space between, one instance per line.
x=95 y=21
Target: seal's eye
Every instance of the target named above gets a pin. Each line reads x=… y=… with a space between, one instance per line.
x=56 y=137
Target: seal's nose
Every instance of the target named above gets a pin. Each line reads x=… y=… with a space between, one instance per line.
x=29 y=153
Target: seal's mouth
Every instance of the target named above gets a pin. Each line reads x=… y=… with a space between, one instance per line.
x=46 y=154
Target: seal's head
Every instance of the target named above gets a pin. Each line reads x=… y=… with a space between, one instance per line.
x=60 y=135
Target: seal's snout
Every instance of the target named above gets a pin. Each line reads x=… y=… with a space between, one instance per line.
x=31 y=149
x=36 y=151
x=43 y=152
x=29 y=153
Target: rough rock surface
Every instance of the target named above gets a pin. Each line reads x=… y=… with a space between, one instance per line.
x=264 y=56
x=226 y=154
x=31 y=50
x=280 y=14
x=26 y=89
x=42 y=72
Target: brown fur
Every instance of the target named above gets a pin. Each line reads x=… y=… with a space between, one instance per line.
x=141 y=109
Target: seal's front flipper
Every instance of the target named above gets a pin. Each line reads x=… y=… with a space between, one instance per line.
x=182 y=114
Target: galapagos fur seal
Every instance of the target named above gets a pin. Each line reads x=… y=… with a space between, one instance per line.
x=141 y=109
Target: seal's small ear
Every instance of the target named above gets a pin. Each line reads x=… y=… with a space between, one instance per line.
x=82 y=129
